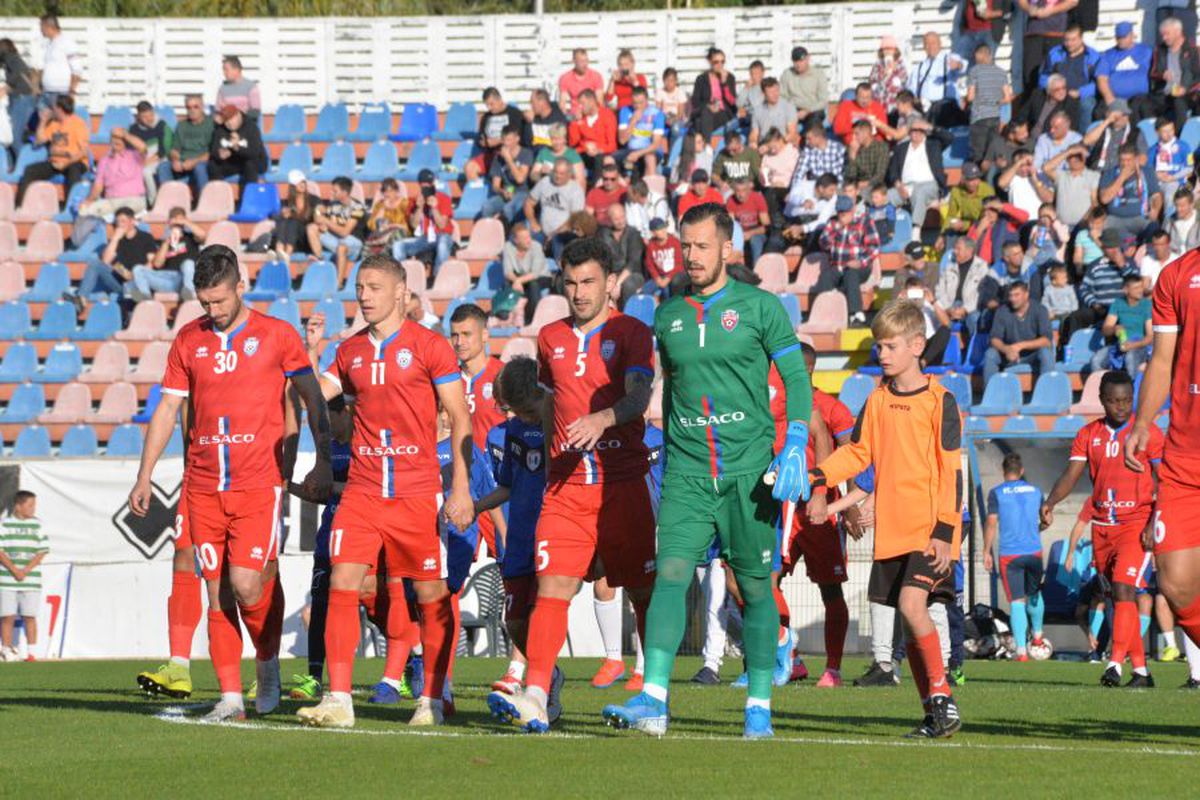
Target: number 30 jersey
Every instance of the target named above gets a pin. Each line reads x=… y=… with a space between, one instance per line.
x=235 y=382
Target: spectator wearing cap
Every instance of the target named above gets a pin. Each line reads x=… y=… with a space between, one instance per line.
x=575 y=81
x=862 y=106
x=238 y=91
x=933 y=81
x=915 y=174
x=889 y=75
x=543 y=162
x=663 y=261
x=714 y=96
x=624 y=79
x=1077 y=63
x=66 y=138
x=700 y=191
x=1101 y=285
x=959 y=277
x=509 y=175
x=1131 y=193
x=803 y=85
x=1037 y=109
x=641 y=134
x=917 y=265
x=866 y=159
x=850 y=241
x=749 y=209
x=187 y=157
x=432 y=224
x=774 y=113
x=339 y=227
x=118 y=182
x=1169 y=157
x=736 y=161
x=980 y=22
x=156 y=136
x=643 y=205
x=1045 y=23
x=609 y=192
x=525 y=267
x=1057 y=138
x=1124 y=73
x=628 y=253
x=965 y=206
x=1109 y=135
x=1175 y=74
x=236 y=149
x=988 y=91
x=549 y=207
x=296 y=213
x=498 y=116
x=1020 y=334
x=594 y=133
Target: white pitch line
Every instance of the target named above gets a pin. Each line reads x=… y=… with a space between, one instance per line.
x=179 y=715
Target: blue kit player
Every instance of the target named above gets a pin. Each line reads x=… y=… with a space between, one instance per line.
x=1012 y=526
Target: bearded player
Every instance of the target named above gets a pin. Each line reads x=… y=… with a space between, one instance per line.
x=232 y=366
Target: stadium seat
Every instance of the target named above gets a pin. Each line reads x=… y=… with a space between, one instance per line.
x=32 y=442
x=226 y=233
x=338 y=162
x=551 y=308
x=739 y=238
x=288 y=311
x=490 y=281
x=288 y=126
x=327 y=357
x=167 y=114
x=175 y=443
x=1190 y=134
x=40 y=202
x=976 y=349
x=148 y=321
x=19 y=364
x=451 y=307
x=117 y=406
x=45 y=243
x=374 y=123
x=518 y=346
x=1001 y=396
x=12 y=281
x=125 y=442
x=641 y=307
x=90 y=248
x=486 y=242
x=417 y=121
x=453 y=279
x=215 y=204
x=470 y=203
x=381 y=161
x=335 y=316
x=75 y=198
x=959 y=150
x=14 y=320
x=959 y=386
x=172 y=194
x=319 y=281
x=62 y=365
x=1146 y=126
x=902 y=235
x=153 y=398
x=10 y=245
x=791 y=304
x=79 y=442
x=114 y=117
x=274 y=281
x=424 y=155
x=52 y=280
x=186 y=312
x=151 y=364
x=855 y=391
x=1051 y=395
x=333 y=124
x=1080 y=349
x=1089 y=398
x=294 y=156
x=808 y=274
x=976 y=425
x=259 y=201
x=464 y=152
x=27 y=402
x=110 y=363
x=28 y=154
x=952 y=359
x=1069 y=425
x=829 y=314
x=1019 y=425
x=74 y=402
x=461 y=123
x=103 y=320
x=7 y=192
x=58 y=322
x=772 y=270
x=347 y=292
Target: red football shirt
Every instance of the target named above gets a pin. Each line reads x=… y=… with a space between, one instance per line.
x=235 y=381
x=394 y=446
x=837 y=418
x=1118 y=493
x=480 y=391
x=1176 y=310
x=689 y=199
x=601 y=200
x=586 y=372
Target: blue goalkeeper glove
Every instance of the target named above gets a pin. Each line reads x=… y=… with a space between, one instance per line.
x=791 y=466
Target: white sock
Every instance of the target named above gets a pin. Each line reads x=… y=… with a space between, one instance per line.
x=941 y=621
x=1114 y=665
x=1140 y=671
x=232 y=697
x=538 y=695
x=639 y=665
x=883 y=625
x=182 y=662
x=758 y=702
x=1166 y=639
x=342 y=697
x=608 y=618
x=392 y=682
x=517 y=669
x=659 y=693
x=1193 y=656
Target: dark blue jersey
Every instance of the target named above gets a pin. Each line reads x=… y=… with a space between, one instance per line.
x=339 y=461
x=461 y=545
x=523 y=471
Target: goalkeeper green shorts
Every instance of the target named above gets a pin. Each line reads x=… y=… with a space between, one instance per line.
x=739 y=511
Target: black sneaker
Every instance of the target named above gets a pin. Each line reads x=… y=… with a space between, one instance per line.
x=707 y=677
x=941 y=722
x=1111 y=677
x=554 y=696
x=1192 y=683
x=924 y=730
x=1139 y=681
x=1095 y=657
x=877 y=676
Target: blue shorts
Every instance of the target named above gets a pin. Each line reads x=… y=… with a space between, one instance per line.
x=460 y=555
x=1021 y=575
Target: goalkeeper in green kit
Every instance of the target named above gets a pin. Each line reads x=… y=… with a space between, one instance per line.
x=716 y=344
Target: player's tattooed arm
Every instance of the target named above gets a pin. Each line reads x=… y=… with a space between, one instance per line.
x=584 y=432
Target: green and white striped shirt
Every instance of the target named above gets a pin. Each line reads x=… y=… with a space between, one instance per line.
x=21 y=540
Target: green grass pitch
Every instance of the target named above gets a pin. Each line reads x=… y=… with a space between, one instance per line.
x=72 y=729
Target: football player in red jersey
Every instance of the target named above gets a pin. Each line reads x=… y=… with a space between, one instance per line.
x=1174 y=372
x=596 y=519
x=398 y=373
x=1120 y=508
x=232 y=366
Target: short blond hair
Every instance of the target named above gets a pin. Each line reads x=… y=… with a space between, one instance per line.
x=900 y=318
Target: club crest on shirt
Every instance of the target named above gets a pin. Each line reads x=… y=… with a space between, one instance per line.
x=533 y=459
x=487 y=391
x=729 y=319
x=250 y=346
x=607 y=348
x=404 y=358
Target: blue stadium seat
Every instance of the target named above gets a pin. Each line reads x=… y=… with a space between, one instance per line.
x=902 y=235
x=273 y=281
x=20 y=363
x=124 y=442
x=58 y=322
x=450 y=309
x=28 y=154
x=167 y=114
x=63 y=365
x=347 y=291
x=490 y=281
x=319 y=281
x=175 y=443
x=1069 y=425
x=103 y=320
x=4 y=165
x=465 y=151
x=1051 y=395
x=333 y=124
x=52 y=280
x=75 y=198
x=976 y=348
x=27 y=401
x=739 y=237
x=675 y=152
x=958 y=385
x=417 y=121
x=381 y=161
x=259 y=201
x=15 y=322
x=152 y=401
x=641 y=307
x=1001 y=396
x=1191 y=133
x=32 y=442
x=854 y=392
x=976 y=425
x=288 y=126
x=951 y=359
x=461 y=123
x=1146 y=127
x=1019 y=425
x=288 y=311
x=79 y=441
x=327 y=357
x=791 y=304
x=294 y=156
x=114 y=117
x=470 y=204
x=335 y=316
x=424 y=155
x=959 y=150
x=374 y=123
x=1080 y=349
x=338 y=162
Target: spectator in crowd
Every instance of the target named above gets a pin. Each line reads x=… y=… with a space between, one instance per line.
x=157 y=139
x=575 y=81
x=888 y=75
x=62 y=63
x=1101 y=286
x=749 y=209
x=238 y=91
x=714 y=97
x=388 y=222
x=988 y=91
x=1047 y=244
x=542 y=116
x=509 y=175
x=959 y=277
x=593 y=133
x=1000 y=152
x=881 y=211
x=1127 y=330
x=999 y=224
x=1124 y=73
x=736 y=161
x=965 y=206
x=339 y=227
x=821 y=155
x=1184 y=232
x=696 y=153
x=643 y=205
x=21 y=88
x=778 y=167
x=237 y=148
x=1182 y=10
x=416 y=310
x=937 y=321
x=917 y=265
x=1157 y=256
x=664 y=260
x=432 y=224
x=993 y=289
x=1175 y=74
x=774 y=113
x=128 y=247
x=23 y=547
x=1037 y=109
x=624 y=79
x=1108 y=136
x=550 y=205
x=1045 y=24
x=803 y=85
x=118 y=182
x=932 y=81
x=497 y=116
x=609 y=192
x=672 y=99
x=906 y=111
x=866 y=159
x=862 y=106
x=1057 y=138
x=852 y=245
x=751 y=96
x=525 y=268
x=980 y=22
x=543 y=163
x=804 y=218
x=641 y=134
x=1024 y=186
x=1020 y=334
x=1131 y=193
x=189 y=149
x=628 y=252
x=1077 y=63
x=295 y=215
x=1087 y=241
x=1170 y=158
x=66 y=138
x=1060 y=298
x=173 y=265
x=1076 y=188
x=699 y=192
x=915 y=174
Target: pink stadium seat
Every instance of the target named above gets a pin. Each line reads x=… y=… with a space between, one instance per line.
x=118 y=405
x=216 y=202
x=551 y=308
x=6 y=200
x=12 y=280
x=40 y=202
x=73 y=404
x=517 y=346
x=453 y=279
x=876 y=276
x=110 y=364
x=149 y=321
x=1089 y=399
x=9 y=245
x=358 y=193
x=226 y=233
x=45 y=242
x=188 y=311
x=172 y=194
x=807 y=275
x=829 y=314
x=414 y=274
x=151 y=363
x=487 y=239
x=261 y=229
x=772 y=269
x=657 y=184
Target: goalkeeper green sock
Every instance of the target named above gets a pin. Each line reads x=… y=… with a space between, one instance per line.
x=761 y=624
x=665 y=623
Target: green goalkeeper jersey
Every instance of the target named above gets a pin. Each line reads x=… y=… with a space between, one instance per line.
x=716 y=352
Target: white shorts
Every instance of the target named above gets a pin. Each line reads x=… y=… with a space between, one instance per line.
x=20 y=602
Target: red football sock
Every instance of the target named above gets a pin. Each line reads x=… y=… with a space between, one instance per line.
x=1188 y=618
x=377 y=608
x=183 y=613
x=547 y=632
x=931 y=661
x=437 y=626
x=916 y=665
x=785 y=614
x=1127 y=634
x=402 y=632
x=837 y=621
x=264 y=620
x=225 y=648
x=341 y=638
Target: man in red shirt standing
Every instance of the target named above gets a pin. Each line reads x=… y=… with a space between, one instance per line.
x=748 y=208
x=700 y=191
x=862 y=106
x=594 y=133
x=575 y=81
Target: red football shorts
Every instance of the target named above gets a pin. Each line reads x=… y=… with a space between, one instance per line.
x=612 y=523
x=823 y=548
x=240 y=527
x=405 y=528
x=520 y=593
x=1117 y=552
x=182 y=535
x=1175 y=518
